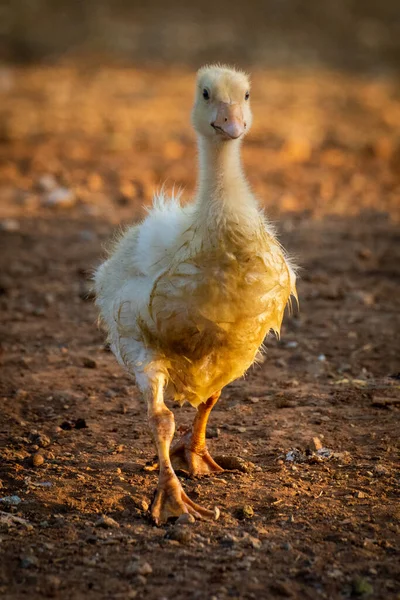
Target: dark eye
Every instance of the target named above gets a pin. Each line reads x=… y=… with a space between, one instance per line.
x=247 y=95
x=206 y=94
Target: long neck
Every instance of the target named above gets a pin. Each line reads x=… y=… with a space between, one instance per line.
x=222 y=186
x=220 y=171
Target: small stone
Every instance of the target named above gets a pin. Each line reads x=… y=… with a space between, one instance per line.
x=246 y=512
x=37 y=459
x=229 y=540
x=106 y=522
x=9 y=225
x=29 y=562
x=254 y=542
x=53 y=583
x=138 y=567
x=381 y=471
x=118 y=471
x=360 y=587
x=282 y=589
x=185 y=519
x=360 y=495
x=11 y=500
x=213 y=432
x=60 y=197
x=234 y=463
x=315 y=444
x=89 y=363
x=42 y=440
x=180 y=533
x=47 y=183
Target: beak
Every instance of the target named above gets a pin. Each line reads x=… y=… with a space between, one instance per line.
x=229 y=120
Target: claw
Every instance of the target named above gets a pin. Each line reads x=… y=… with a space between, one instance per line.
x=171 y=501
x=196 y=461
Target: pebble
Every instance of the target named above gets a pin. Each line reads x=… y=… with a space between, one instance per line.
x=254 y=542
x=11 y=500
x=180 y=533
x=361 y=586
x=37 y=459
x=381 y=471
x=138 y=567
x=282 y=589
x=89 y=363
x=246 y=512
x=27 y=562
x=9 y=225
x=229 y=540
x=184 y=519
x=360 y=495
x=47 y=183
x=315 y=444
x=60 y=197
x=40 y=439
x=213 y=432
x=234 y=463
x=106 y=522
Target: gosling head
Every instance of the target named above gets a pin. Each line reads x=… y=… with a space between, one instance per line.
x=221 y=109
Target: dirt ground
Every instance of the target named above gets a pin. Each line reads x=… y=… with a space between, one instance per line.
x=82 y=152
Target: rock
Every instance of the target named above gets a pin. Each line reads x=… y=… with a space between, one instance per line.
x=213 y=432
x=106 y=522
x=40 y=439
x=89 y=363
x=281 y=588
x=180 y=533
x=184 y=519
x=360 y=586
x=246 y=512
x=29 y=562
x=11 y=500
x=253 y=542
x=139 y=567
x=47 y=183
x=53 y=583
x=60 y=197
x=360 y=495
x=229 y=540
x=37 y=459
x=234 y=463
x=315 y=444
x=9 y=225
x=381 y=471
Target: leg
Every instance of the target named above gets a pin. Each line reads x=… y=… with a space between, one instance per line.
x=170 y=499
x=190 y=452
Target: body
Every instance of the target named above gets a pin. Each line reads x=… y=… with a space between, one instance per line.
x=188 y=296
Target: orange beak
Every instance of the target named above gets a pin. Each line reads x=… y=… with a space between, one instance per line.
x=229 y=120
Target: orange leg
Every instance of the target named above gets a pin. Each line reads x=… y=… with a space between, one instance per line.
x=170 y=499
x=190 y=452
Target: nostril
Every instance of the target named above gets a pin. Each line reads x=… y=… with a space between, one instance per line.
x=245 y=125
x=226 y=118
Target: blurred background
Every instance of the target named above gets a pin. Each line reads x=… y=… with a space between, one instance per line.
x=120 y=75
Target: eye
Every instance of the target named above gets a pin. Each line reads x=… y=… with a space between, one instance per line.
x=247 y=95
x=206 y=94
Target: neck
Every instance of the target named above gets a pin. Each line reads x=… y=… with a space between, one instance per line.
x=221 y=178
